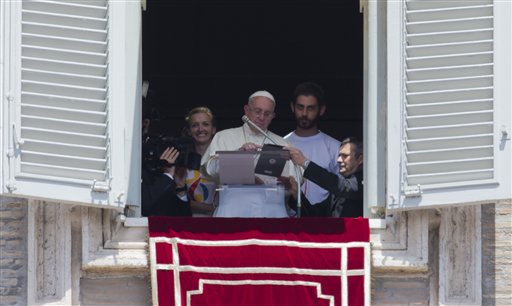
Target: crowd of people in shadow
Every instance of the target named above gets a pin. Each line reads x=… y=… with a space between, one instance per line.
x=180 y=175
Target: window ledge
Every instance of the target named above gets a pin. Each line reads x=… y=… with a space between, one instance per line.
x=377 y=223
x=136 y=222
x=143 y=222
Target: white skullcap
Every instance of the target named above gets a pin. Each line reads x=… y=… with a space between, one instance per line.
x=263 y=93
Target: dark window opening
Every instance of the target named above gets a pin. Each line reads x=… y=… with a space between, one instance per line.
x=216 y=53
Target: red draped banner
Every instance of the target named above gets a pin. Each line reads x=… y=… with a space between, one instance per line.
x=259 y=261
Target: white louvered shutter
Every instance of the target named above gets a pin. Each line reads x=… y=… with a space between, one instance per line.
x=444 y=140
x=61 y=127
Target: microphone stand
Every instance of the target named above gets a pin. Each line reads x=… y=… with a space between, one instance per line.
x=262 y=132
x=297 y=178
x=297 y=171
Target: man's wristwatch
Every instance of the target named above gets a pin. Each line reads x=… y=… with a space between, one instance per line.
x=305 y=165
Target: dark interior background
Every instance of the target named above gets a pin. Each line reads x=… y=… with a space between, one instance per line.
x=217 y=52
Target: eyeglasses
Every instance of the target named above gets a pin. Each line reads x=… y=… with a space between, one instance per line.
x=259 y=112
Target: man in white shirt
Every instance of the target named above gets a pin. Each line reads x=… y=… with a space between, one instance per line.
x=308 y=106
x=260 y=110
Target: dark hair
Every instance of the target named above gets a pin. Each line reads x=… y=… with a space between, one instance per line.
x=357 y=143
x=309 y=89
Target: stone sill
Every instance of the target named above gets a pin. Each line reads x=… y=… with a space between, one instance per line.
x=143 y=222
x=392 y=248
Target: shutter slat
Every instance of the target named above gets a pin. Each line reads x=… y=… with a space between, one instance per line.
x=440 y=5
x=92 y=8
x=64 y=125
x=432 y=167
x=81 y=80
x=60 y=55
x=64 y=102
x=67 y=172
x=449 y=154
x=63 y=43
x=64 y=137
x=450 y=36
x=450 y=119
x=450 y=25
x=450 y=177
x=450 y=130
x=69 y=149
x=62 y=19
x=64 y=31
x=449 y=72
x=477 y=58
x=433 y=85
x=449 y=49
x=61 y=160
x=450 y=95
x=460 y=142
x=64 y=66
x=64 y=90
x=449 y=107
x=64 y=113
x=445 y=13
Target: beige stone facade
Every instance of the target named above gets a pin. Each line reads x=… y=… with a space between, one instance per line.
x=13 y=252
x=53 y=254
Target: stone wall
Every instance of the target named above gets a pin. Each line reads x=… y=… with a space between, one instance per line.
x=497 y=254
x=400 y=289
x=389 y=287
x=13 y=251
x=115 y=291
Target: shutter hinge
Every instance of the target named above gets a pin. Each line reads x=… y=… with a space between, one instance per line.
x=17 y=140
x=11 y=186
x=413 y=191
x=100 y=186
x=505 y=135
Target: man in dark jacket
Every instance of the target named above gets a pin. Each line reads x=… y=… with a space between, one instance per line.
x=346 y=191
x=164 y=194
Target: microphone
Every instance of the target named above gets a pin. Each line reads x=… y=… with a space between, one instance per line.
x=297 y=171
x=252 y=124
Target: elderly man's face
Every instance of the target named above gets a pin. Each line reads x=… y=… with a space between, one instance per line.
x=261 y=111
x=347 y=159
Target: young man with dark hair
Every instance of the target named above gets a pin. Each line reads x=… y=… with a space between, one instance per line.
x=308 y=105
